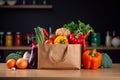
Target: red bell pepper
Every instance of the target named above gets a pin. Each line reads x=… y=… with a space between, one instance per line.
x=76 y=38
x=79 y=39
x=46 y=35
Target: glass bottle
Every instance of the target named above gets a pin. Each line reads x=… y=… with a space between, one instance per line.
x=8 y=39
x=108 y=39
x=50 y=30
x=113 y=34
x=17 y=39
x=34 y=2
x=44 y=2
x=24 y=2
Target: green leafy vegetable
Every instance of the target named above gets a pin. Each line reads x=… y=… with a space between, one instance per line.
x=71 y=26
x=79 y=27
x=106 y=61
x=15 y=55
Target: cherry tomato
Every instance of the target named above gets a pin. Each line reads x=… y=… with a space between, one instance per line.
x=48 y=42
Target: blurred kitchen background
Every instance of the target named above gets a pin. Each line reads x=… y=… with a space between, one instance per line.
x=102 y=15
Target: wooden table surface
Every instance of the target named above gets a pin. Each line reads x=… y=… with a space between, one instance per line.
x=83 y=74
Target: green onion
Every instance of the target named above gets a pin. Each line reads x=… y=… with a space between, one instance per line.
x=39 y=35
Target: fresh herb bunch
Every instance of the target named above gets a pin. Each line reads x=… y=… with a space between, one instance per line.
x=79 y=27
x=72 y=26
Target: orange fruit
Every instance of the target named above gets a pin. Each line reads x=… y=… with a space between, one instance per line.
x=21 y=63
x=11 y=63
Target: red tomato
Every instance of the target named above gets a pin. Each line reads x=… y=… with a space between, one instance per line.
x=52 y=37
x=48 y=42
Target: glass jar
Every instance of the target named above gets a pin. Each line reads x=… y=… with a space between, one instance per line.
x=2 y=38
x=27 y=39
x=8 y=39
x=2 y=2
x=11 y=2
x=17 y=39
x=95 y=39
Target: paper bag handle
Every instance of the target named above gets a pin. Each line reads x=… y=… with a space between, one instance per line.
x=51 y=58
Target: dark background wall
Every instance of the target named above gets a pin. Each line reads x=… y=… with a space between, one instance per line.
x=103 y=15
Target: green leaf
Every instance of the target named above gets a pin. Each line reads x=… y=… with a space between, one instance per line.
x=79 y=27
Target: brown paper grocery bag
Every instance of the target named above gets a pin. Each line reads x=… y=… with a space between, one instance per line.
x=59 y=56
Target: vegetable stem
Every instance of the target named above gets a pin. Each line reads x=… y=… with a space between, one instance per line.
x=93 y=53
x=39 y=35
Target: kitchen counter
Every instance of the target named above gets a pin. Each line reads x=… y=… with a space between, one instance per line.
x=83 y=74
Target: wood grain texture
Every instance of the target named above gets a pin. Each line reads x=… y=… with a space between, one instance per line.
x=83 y=74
